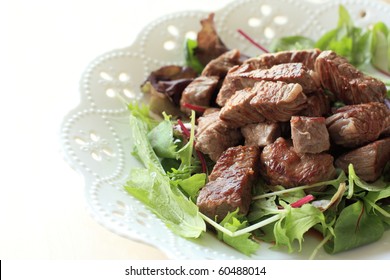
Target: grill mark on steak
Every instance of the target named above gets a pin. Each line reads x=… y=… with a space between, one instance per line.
x=230 y=183
x=233 y=82
x=267 y=60
x=286 y=72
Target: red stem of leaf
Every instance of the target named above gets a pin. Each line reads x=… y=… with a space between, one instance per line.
x=359 y=219
x=253 y=42
x=202 y=161
x=184 y=129
x=302 y=201
x=187 y=133
x=196 y=108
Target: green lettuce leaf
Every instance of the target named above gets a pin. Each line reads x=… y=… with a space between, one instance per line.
x=161 y=139
x=190 y=57
x=295 y=223
x=354 y=227
x=152 y=187
x=243 y=243
x=193 y=184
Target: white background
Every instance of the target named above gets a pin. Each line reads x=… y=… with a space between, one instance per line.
x=44 y=48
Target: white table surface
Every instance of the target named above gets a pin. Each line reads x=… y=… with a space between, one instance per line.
x=45 y=46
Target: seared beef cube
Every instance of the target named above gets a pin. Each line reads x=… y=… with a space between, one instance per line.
x=213 y=135
x=309 y=134
x=318 y=105
x=267 y=60
x=231 y=84
x=282 y=165
x=368 y=161
x=221 y=65
x=348 y=84
x=286 y=72
x=238 y=112
x=356 y=125
x=230 y=183
x=278 y=101
x=261 y=134
x=198 y=92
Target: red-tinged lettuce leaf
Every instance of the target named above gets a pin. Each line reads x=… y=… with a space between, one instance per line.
x=354 y=227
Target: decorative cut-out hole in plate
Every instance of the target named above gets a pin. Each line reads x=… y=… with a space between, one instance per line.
x=110 y=92
x=106 y=76
x=266 y=10
x=128 y=93
x=254 y=22
x=169 y=45
x=280 y=20
x=269 y=33
x=173 y=30
x=191 y=35
x=123 y=77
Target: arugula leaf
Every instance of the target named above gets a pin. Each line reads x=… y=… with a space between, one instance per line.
x=152 y=187
x=234 y=222
x=295 y=223
x=354 y=227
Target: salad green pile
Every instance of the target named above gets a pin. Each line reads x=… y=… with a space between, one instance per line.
x=349 y=213
x=346 y=211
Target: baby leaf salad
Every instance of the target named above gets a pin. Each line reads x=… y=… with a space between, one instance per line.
x=347 y=211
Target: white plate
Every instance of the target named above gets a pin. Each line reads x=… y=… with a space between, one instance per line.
x=96 y=137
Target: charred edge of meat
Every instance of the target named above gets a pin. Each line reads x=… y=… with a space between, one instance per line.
x=230 y=183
